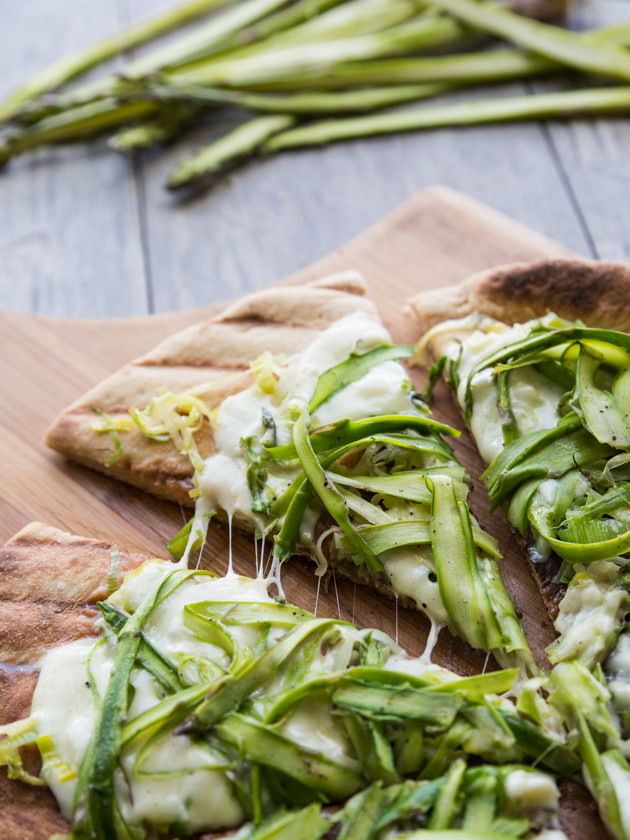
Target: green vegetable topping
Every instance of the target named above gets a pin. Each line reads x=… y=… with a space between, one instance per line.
x=403 y=742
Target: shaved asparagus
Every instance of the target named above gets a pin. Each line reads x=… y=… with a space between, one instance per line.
x=462 y=589
x=535 y=106
x=94 y=813
x=330 y=497
x=307 y=824
x=247 y=716
x=262 y=744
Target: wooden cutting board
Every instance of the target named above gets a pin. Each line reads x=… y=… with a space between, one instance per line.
x=437 y=238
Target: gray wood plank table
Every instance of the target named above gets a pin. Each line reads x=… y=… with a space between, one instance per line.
x=85 y=232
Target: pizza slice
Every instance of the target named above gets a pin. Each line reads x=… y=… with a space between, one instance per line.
x=538 y=358
x=291 y=416
x=49 y=587
x=197 y=703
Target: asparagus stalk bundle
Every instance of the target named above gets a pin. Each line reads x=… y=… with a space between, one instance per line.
x=287 y=65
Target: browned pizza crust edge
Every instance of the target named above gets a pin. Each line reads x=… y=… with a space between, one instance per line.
x=597 y=293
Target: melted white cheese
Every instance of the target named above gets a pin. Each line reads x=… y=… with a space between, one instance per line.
x=313 y=724
x=411 y=577
x=533 y=397
x=64 y=708
x=530 y=790
x=182 y=782
x=617 y=669
x=384 y=389
x=589 y=615
x=618 y=663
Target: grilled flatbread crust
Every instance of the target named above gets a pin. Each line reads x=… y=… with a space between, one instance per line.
x=215 y=354
x=50 y=582
x=597 y=293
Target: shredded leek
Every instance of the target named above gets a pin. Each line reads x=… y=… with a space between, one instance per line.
x=266 y=372
x=175 y=417
x=359 y=473
x=14 y=736
x=51 y=760
x=113 y=575
x=108 y=424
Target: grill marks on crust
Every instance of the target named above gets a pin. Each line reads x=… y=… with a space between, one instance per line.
x=213 y=356
x=595 y=292
x=49 y=584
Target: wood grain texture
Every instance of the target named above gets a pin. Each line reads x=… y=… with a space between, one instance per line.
x=436 y=238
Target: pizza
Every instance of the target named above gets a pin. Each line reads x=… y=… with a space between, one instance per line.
x=50 y=584
x=538 y=359
x=197 y=703
x=291 y=416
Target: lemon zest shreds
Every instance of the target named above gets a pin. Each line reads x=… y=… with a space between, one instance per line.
x=15 y=735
